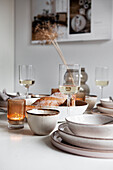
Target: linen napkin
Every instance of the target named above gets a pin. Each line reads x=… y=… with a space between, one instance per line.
x=4 y=96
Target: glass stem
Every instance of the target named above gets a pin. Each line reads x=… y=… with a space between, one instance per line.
x=68 y=104
x=27 y=92
x=101 y=92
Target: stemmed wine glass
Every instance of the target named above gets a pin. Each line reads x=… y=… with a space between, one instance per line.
x=26 y=76
x=69 y=80
x=101 y=77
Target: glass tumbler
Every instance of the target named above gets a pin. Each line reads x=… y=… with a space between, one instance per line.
x=16 y=113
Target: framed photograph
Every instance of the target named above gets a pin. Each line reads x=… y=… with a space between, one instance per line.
x=80 y=16
x=53 y=11
x=74 y=20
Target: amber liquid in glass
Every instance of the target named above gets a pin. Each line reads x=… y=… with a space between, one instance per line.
x=16 y=112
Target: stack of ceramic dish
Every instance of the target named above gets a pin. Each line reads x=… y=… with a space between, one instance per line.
x=104 y=107
x=86 y=135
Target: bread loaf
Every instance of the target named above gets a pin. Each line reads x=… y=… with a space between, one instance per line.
x=49 y=101
x=56 y=99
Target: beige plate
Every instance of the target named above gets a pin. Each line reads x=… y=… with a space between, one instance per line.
x=106 y=102
x=96 y=111
x=58 y=142
x=104 y=109
x=82 y=141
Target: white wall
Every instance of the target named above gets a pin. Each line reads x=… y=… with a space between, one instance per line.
x=7 y=45
x=46 y=60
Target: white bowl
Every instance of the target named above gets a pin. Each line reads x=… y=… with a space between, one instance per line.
x=91 y=100
x=91 y=125
x=106 y=102
x=104 y=109
x=79 y=109
x=85 y=142
x=42 y=121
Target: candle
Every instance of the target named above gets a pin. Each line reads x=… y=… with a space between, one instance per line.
x=16 y=113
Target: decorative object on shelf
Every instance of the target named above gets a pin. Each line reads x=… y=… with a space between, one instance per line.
x=45 y=33
x=84 y=78
x=84 y=88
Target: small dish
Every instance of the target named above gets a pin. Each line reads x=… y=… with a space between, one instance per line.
x=91 y=125
x=104 y=109
x=96 y=111
x=42 y=121
x=85 y=142
x=106 y=102
x=14 y=94
x=57 y=141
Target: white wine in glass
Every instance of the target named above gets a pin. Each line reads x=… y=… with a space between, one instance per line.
x=68 y=89
x=69 y=80
x=101 y=78
x=26 y=76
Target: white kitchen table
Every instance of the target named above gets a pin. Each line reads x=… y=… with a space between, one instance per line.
x=21 y=150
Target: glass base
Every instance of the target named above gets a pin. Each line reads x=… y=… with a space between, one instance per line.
x=15 y=124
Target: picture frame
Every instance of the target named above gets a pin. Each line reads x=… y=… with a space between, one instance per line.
x=76 y=20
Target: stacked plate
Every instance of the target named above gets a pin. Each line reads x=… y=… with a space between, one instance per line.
x=105 y=107
x=86 y=135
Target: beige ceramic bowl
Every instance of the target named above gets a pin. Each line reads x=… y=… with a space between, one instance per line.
x=106 y=102
x=42 y=121
x=88 y=125
x=91 y=100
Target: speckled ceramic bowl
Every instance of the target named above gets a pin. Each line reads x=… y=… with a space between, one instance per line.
x=42 y=121
x=106 y=102
x=96 y=126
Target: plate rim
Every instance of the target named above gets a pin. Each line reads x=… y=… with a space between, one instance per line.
x=110 y=110
x=82 y=141
x=84 y=137
x=96 y=111
x=85 y=152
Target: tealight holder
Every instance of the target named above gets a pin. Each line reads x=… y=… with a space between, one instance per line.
x=16 y=113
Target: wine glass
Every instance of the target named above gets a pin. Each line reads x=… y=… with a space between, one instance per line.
x=101 y=78
x=26 y=77
x=69 y=80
